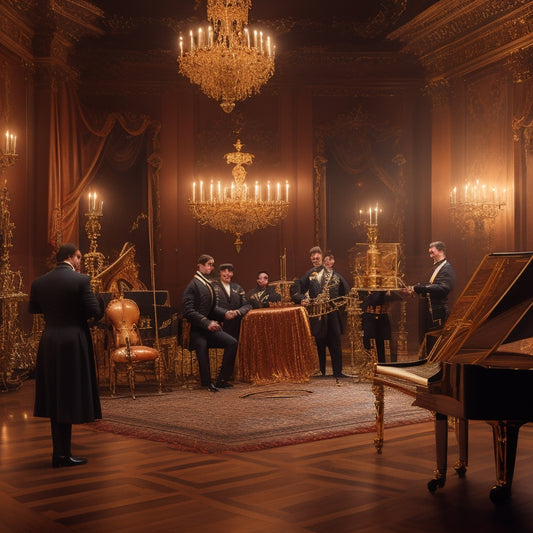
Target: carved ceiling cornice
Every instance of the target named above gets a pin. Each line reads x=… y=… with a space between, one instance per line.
x=33 y=29
x=16 y=34
x=453 y=38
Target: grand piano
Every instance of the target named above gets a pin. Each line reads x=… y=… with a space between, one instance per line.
x=480 y=368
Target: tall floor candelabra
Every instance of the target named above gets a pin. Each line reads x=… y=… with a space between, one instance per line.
x=376 y=269
x=17 y=354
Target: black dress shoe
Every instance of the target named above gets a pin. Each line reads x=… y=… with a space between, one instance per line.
x=341 y=375
x=223 y=385
x=67 y=460
x=212 y=388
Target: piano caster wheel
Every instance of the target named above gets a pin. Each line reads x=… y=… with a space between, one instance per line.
x=435 y=484
x=500 y=494
x=460 y=468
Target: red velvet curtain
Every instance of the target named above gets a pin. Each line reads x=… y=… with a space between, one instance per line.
x=77 y=141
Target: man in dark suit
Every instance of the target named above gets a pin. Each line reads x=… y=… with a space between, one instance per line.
x=66 y=389
x=263 y=294
x=323 y=284
x=231 y=297
x=201 y=309
x=435 y=291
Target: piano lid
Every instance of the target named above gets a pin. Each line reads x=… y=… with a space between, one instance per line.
x=494 y=307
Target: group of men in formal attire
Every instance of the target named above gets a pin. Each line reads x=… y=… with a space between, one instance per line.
x=66 y=389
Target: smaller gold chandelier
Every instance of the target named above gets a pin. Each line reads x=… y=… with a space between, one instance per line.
x=226 y=61
x=237 y=209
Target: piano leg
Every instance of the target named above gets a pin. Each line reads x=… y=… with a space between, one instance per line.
x=505 y=438
x=441 y=441
x=461 y=434
x=379 y=403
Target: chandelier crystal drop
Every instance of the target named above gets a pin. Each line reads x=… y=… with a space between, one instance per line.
x=238 y=209
x=226 y=60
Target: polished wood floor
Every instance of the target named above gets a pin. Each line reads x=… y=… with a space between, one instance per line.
x=337 y=485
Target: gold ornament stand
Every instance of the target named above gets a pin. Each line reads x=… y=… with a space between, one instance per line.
x=17 y=351
x=376 y=268
x=94 y=261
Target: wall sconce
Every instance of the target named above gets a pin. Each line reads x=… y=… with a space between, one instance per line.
x=474 y=208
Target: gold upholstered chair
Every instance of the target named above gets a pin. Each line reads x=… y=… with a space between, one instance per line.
x=127 y=351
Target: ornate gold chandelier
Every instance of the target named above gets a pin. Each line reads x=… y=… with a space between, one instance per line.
x=226 y=61
x=238 y=209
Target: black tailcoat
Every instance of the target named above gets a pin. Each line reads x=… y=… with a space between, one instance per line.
x=66 y=389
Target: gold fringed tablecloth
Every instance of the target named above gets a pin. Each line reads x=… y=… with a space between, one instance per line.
x=276 y=344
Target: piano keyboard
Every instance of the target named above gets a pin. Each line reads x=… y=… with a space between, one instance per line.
x=419 y=374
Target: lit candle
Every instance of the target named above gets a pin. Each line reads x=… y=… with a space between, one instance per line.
x=194 y=192
x=256 y=194
x=201 y=191
x=94 y=202
x=192 y=40
x=219 y=192
x=211 y=191
x=11 y=144
x=376 y=209
x=181 y=46
x=278 y=192
x=232 y=190
x=7 y=142
x=287 y=191
x=261 y=40
x=370 y=215
x=210 y=36
x=268 y=191
x=89 y=204
x=268 y=46
x=199 y=37
x=255 y=38
x=101 y=207
x=247 y=36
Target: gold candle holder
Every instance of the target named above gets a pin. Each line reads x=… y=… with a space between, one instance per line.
x=94 y=260
x=372 y=257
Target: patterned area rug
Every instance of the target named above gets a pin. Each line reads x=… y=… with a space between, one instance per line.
x=248 y=417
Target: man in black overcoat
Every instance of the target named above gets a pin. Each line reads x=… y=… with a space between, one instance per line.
x=66 y=389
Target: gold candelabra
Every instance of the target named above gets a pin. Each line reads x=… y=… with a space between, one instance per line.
x=376 y=269
x=17 y=353
x=227 y=60
x=474 y=210
x=239 y=209
x=94 y=261
x=283 y=286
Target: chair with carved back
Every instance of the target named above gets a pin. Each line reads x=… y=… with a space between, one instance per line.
x=127 y=349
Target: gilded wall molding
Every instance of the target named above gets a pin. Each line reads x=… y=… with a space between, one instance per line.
x=5 y=86
x=440 y=92
x=520 y=65
x=319 y=200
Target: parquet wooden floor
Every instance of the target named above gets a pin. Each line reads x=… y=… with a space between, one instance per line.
x=334 y=486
